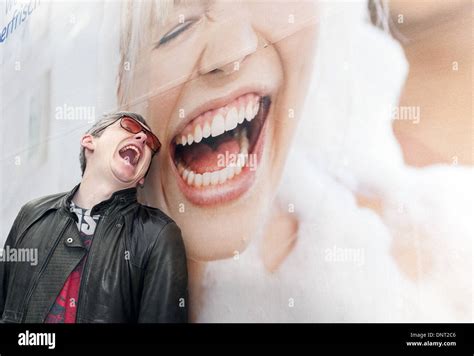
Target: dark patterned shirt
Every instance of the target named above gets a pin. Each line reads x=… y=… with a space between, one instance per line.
x=65 y=307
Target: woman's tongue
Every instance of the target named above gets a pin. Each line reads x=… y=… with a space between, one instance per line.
x=209 y=157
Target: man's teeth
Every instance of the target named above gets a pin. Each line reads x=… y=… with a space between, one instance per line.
x=222 y=175
x=137 y=153
x=218 y=124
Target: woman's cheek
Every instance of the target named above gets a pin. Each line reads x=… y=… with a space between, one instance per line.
x=161 y=110
x=176 y=64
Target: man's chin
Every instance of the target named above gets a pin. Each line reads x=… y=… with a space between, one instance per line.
x=124 y=179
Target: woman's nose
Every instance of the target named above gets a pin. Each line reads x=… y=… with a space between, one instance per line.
x=230 y=43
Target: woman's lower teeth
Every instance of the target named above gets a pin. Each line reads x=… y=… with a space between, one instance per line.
x=231 y=169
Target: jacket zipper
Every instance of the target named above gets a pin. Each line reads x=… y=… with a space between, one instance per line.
x=86 y=265
x=35 y=283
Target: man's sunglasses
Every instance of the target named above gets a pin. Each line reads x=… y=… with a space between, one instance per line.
x=133 y=126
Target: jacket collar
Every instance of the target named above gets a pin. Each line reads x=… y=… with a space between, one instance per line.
x=118 y=199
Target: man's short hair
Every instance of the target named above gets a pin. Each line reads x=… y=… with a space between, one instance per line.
x=98 y=128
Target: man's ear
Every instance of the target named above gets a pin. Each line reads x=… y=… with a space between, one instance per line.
x=141 y=182
x=87 y=141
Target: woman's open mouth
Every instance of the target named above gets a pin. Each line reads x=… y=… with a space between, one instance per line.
x=217 y=154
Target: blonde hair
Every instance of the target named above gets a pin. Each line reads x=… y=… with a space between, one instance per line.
x=137 y=19
x=379 y=14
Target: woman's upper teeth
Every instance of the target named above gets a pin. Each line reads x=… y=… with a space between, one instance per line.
x=221 y=175
x=216 y=122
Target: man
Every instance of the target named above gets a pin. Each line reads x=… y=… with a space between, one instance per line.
x=102 y=256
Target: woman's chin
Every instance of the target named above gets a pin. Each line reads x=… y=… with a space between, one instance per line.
x=216 y=253
x=215 y=238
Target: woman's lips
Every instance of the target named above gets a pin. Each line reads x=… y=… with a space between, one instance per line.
x=215 y=122
x=239 y=151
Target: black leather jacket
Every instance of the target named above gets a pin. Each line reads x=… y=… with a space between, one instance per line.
x=135 y=270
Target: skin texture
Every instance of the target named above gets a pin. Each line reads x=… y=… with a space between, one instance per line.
x=434 y=34
x=437 y=39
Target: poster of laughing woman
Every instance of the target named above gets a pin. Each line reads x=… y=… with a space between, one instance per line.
x=228 y=161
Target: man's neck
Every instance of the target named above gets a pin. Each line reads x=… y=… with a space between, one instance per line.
x=92 y=191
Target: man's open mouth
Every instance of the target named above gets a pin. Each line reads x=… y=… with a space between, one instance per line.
x=130 y=154
x=215 y=147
